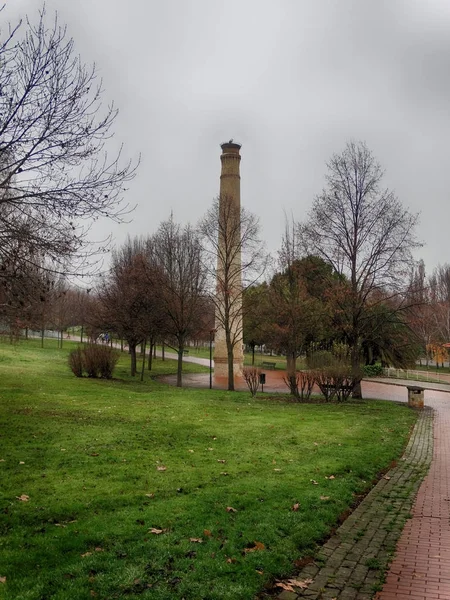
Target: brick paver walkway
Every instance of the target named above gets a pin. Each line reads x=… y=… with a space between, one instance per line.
x=421 y=568
x=351 y=564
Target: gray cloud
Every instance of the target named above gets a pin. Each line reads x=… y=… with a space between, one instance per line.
x=292 y=81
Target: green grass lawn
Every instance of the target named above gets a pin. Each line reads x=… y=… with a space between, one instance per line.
x=89 y=468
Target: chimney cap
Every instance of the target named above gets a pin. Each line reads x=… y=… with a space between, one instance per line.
x=230 y=144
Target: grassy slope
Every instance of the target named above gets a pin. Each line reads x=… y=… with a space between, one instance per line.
x=91 y=451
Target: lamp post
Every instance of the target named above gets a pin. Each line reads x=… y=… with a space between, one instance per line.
x=211 y=337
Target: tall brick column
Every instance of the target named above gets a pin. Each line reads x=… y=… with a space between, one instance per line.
x=230 y=197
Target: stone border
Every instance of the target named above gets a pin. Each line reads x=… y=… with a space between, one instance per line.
x=353 y=562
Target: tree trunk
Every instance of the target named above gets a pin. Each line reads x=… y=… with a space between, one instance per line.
x=150 y=356
x=356 y=372
x=133 y=358
x=253 y=355
x=291 y=363
x=180 y=367
x=230 y=359
x=143 y=359
x=163 y=351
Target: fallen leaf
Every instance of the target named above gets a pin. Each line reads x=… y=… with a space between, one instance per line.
x=21 y=462
x=98 y=549
x=59 y=525
x=93 y=594
x=207 y=533
x=231 y=560
x=86 y=554
x=190 y=451
x=150 y=495
x=257 y=546
x=285 y=586
x=386 y=477
x=314 y=482
x=2 y=460
x=221 y=460
x=300 y=583
x=259 y=572
x=324 y=497
x=63 y=449
x=277 y=470
x=210 y=449
x=214 y=437
x=224 y=473
x=23 y=498
x=230 y=509
x=94 y=454
x=157 y=531
x=161 y=468
x=291 y=583
x=2 y=579
x=316 y=444
x=330 y=477
x=296 y=507
x=197 y=540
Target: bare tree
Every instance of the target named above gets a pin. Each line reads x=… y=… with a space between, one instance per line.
x=439 y=293
x=55 y=173
x=235 y=260
x=364 y=232
x=181 y=287
x=123 y=304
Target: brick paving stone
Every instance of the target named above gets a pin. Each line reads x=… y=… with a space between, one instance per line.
x=372 y=531
x=421 y=567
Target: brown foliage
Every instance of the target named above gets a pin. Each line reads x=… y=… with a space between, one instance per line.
x=96 y=360
x=251 y=377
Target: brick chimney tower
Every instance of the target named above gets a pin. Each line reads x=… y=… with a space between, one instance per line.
x=229 y=271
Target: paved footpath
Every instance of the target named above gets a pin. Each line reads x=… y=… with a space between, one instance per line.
x=350 y=566
x=421 y=568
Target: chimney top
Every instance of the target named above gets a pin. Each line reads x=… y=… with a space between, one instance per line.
x=230 y=145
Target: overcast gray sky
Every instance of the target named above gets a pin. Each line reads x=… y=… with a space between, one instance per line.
x=292 y=80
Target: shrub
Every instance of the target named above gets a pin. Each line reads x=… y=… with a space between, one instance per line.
x=76 y=362
x=95 y=360
x=92 y=359
x=373 y=370
x=333 y=373
x=251 y=376
x=107 y=361
x=301 y=384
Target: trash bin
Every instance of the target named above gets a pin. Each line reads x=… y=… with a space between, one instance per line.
x=415 y=397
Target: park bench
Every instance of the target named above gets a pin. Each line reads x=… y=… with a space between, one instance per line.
x=345 y=388
x=268 y=364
